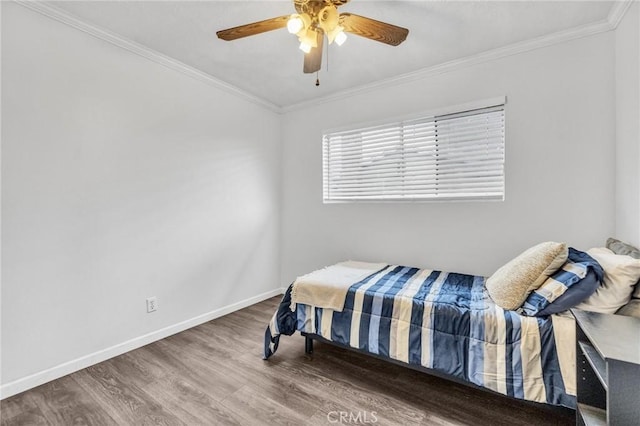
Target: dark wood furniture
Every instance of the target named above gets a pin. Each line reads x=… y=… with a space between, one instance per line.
x=608 y=369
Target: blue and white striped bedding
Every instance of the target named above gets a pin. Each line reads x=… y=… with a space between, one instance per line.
x=560 y=291
x=446 y=322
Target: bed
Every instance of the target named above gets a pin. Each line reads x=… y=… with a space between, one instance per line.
x=444 y=323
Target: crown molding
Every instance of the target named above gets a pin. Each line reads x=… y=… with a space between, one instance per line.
x=617 y=12
x=489 y=55
x=66 y=18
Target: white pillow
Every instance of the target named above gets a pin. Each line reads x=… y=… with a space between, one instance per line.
x=621 y=273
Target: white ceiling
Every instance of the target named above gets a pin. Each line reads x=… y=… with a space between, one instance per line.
x=269 y=65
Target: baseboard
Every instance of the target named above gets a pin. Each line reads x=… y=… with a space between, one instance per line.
x=37 y=379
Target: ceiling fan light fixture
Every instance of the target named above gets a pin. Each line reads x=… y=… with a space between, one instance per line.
x=328 y=18
x=309 y=37
x=340 y=38
x=294 y=24
x=305 y=47
x=298 y=23
x=331 y=35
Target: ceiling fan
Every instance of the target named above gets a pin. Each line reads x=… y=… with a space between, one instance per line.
x=315 y=19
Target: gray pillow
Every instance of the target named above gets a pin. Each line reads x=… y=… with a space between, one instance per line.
x=510 y=285
x=631 y=309
x=620 y=247
x=636 y=292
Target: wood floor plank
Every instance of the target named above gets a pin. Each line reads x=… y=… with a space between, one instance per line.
x=256 y=408
x=21 y=410
x=213 y=374
x=189 y=396
x=63 y=402
x=26 y=418
x=183 y=368
x=221 y=368
x=216 y=342
x=124 y=401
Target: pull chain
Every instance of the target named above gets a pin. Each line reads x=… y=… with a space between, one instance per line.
x=327 y=62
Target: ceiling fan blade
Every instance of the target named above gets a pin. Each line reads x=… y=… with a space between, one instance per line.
x=253 y=28
x=372 y=29
x=313 y=59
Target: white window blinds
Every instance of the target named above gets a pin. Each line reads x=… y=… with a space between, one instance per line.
x=452 y=156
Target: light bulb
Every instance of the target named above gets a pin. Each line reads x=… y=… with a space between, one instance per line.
x=341 y=37
x=306 y=48
x=295 y=24
x=309 y=37
x=331 y=35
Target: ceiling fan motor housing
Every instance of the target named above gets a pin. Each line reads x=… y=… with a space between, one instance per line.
x=319 y=4
x=315 y=7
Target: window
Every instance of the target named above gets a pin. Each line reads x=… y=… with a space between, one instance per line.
x=454 y=156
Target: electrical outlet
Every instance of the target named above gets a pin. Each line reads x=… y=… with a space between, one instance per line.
x=152 y=304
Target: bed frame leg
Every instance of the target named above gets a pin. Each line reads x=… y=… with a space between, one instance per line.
x=308 y=345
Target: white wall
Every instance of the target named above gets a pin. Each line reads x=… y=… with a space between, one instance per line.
x=560 y=162
x=627 y=48
x=122 y=179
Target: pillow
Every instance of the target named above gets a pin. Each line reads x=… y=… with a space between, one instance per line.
x=618 y=247
x=578 y=279
x=636 y=292
x=631 y=309
x=621 y=272
x=574 y=295
x=510 y=285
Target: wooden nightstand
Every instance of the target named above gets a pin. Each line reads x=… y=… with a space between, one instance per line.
x=608 y=369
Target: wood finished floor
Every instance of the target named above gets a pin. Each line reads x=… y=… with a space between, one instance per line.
x=213 y=374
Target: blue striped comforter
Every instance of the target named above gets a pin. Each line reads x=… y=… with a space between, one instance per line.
x=446 y=322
